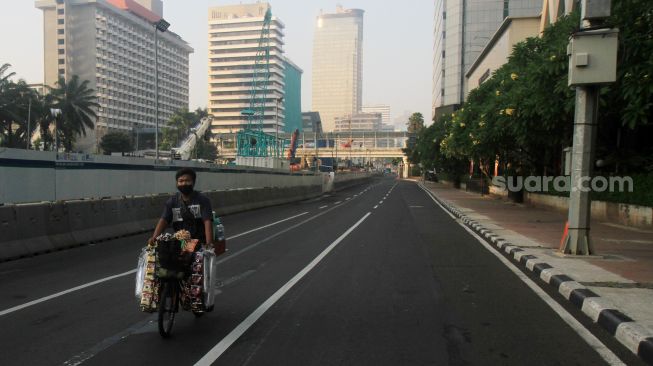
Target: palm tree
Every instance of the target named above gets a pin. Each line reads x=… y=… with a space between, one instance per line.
x=15 y=99
x=77 y=103
x=6 y=114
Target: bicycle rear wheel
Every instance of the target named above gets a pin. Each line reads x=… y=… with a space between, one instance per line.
x=167 y=308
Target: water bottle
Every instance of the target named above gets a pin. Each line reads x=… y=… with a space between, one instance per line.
x=219 y=240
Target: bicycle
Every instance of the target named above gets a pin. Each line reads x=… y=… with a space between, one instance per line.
x=171 y=272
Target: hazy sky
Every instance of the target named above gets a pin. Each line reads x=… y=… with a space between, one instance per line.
x=397 y=45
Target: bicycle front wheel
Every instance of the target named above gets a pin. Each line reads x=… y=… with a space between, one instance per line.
x=167 y=308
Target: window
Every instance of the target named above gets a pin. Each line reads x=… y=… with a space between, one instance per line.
x=61 y=51
x=60 y=11
x=59 y=31
x=61 y=61
x=60 y=21
x=60 y=41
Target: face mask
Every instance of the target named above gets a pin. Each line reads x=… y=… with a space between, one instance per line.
x=185 y=189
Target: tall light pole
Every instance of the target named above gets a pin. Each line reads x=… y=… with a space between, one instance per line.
x=29 y=118
x=160 y=26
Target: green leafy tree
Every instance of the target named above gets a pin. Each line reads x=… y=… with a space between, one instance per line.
x=77 y=103
x=16 y=99
x=177 y=128
x=116 y=142
x=206 y=150
x=415 y=123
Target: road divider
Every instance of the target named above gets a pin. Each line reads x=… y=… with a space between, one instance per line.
x=31 y=229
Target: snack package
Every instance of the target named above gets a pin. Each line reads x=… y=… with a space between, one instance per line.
x=147 y=286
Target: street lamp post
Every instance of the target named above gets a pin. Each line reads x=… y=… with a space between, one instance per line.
x=161 y=26
x=29 y=118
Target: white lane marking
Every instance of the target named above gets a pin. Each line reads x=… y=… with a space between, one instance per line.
x=337 y=202
x=347 y=199
x=266 y=226
x=321 y=207
x=227 y=341
x=101 y=280
x=587 y=336
x=50 y=297
x=252 y=246
x=376 y=206
x=380 y=202
x=355 y=195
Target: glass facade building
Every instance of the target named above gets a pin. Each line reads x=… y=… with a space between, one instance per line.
x=462 y=28
x=337 y=65
x=292 y=99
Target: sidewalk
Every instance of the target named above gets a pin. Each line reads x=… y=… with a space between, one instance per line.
x=622 y=280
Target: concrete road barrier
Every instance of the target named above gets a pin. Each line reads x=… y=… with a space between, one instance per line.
x=38 y=228
x=12 y=246
x=31 y=227
x=58 y=225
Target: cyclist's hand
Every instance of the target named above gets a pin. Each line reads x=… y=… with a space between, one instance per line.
x=208 y=245
x=150 y=241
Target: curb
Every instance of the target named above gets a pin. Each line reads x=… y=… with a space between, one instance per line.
x=633 y=336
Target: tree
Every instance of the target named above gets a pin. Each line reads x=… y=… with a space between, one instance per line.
x=206 y=150
x=177 y=128
x=77 y=103
x=415 y=123
x=16 y=100
x=116 y=142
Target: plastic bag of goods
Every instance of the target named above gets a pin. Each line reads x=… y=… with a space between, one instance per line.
x=147 y=287
x=209 y=279
x=140 y=273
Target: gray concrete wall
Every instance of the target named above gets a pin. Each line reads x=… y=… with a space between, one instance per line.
x=31 y=229
x=620 y=213
x=36 y=176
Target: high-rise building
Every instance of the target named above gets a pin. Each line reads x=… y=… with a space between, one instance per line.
x=337 y=65
x=234 y=33
x=110 y=43
x=358 y=122
x=311 y=122
x=292 y=98
x=461 y=31
x=378 y=108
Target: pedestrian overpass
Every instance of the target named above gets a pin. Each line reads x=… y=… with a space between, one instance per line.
x=355 y=147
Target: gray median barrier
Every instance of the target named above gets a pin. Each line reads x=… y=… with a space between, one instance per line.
x=31 y=229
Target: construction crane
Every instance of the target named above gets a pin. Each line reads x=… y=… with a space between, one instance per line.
x=252 y=141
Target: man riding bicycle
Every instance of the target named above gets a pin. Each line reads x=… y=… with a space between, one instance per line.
x=187 y=210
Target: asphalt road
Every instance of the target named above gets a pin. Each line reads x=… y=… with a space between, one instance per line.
x=372 y=275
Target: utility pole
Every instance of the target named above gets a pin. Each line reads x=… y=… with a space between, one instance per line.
x=159 y=26
x=592 y=61
x=29 y=119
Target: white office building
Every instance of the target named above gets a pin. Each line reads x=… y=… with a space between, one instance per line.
x=110 y=43
x=378 y=108
x=358 y=122
x=234 y=33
